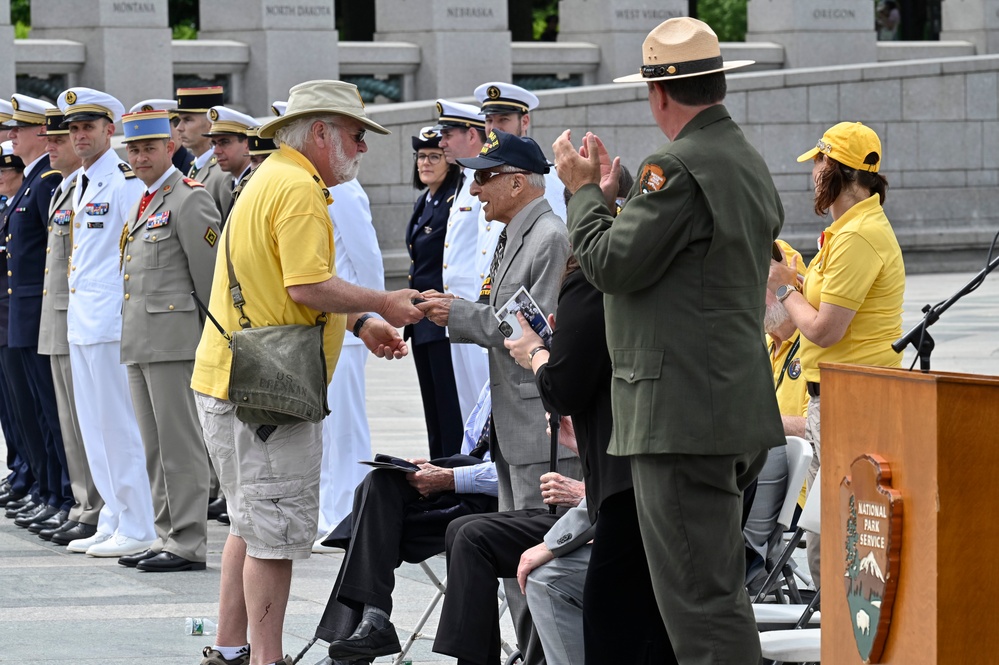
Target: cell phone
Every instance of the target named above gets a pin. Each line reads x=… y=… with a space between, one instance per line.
x=777 y=253
x=417 y=301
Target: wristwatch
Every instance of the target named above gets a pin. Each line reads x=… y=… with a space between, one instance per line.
x=530 y=356
x=784 y=290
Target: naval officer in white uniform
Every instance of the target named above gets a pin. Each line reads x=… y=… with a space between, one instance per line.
x=462 y=130
x=105 y=192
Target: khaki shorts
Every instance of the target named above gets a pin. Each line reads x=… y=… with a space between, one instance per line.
x=272 y=487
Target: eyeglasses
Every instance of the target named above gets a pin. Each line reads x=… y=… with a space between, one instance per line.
x=432 y=157
x=482 y=177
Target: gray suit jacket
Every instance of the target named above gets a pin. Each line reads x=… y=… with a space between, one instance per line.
x=572 y=531
x=52 y=339
x=169 y=252
x=535 y=258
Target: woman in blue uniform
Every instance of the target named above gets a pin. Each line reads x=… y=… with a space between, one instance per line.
x=429 y=343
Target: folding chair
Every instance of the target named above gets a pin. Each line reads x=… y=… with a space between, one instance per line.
x=799 y=457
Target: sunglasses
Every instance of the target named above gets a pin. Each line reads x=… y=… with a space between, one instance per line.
x=482 y=177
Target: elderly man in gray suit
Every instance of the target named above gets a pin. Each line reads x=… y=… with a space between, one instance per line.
x=531 y=252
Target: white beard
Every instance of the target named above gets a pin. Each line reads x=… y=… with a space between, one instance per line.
x=774 y=317
x=343 y=170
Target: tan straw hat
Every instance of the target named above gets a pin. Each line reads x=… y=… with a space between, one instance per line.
x=322 y=98
x=679 y=48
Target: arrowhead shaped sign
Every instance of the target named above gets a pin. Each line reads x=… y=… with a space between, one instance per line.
x=872 y=518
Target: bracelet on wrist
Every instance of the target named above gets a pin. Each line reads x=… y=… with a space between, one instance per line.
x=530 y=356
x=360 y=323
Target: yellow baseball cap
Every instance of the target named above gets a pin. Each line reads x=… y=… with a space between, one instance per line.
x=851 y=143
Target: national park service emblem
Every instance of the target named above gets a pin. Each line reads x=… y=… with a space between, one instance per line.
x=652 y=179
x=872 y=517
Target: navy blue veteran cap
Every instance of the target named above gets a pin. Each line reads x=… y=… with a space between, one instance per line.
x=501 y=148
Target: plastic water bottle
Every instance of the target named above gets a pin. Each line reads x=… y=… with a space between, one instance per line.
x=199 y=626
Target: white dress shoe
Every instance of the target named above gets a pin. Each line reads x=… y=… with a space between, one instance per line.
x=117 y=546
x=83 y=544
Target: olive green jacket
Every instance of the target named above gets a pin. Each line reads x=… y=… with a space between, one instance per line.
x=684 y=269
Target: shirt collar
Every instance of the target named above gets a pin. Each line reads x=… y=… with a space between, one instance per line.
x=162 y=179
x=295 y=156
x=203 y=158
x=858 y=210
x=30 y=167
x=102 y=165
x=68 y=181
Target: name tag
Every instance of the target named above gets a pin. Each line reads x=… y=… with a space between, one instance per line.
x=62 y=217
x=97 y=209
x=158 y=220
x=95 y=225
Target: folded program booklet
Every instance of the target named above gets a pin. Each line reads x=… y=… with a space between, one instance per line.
x=523 y=302
x=390 y=462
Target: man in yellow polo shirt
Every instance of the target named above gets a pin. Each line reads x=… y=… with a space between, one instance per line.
x=281 y=246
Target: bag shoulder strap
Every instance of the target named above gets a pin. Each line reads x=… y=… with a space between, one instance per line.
x=236 y=293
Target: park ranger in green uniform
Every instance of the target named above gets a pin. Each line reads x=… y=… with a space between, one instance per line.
x=168 y=250
x=684 y=267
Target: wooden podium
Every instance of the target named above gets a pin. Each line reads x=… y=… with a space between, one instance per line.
x=939 y=433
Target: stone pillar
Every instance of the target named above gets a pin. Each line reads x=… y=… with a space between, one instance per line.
x=127 y=43
x=975 y=21
x=817 y=33
x=290 y=41
x=7 y=72
x=618 y=27
x=463 y=42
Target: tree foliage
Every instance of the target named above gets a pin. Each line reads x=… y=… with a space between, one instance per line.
x=726 y=17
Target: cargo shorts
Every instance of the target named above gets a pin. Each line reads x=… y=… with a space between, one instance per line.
x=270 y=479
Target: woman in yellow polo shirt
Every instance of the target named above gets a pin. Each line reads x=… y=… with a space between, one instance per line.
x=849 y=309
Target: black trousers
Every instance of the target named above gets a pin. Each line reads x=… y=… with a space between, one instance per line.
x=621 y=620
x=440 y=397
x=389 y=524
x=480 y=549
x=27 y=421
x=21 y=478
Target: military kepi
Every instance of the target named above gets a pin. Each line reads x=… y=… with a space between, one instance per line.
x=54 y=122
x=199 y=100
x=258 y=146
x=79 y=104
x=144 y=125
x=27 y=111
x=228 y=121
x=501 y=149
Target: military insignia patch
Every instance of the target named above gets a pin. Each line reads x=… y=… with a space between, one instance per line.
x=211 y=236
x=96 y=210
x=62 y=217
x=794 y=369
x=70 y=97
x=492 y=143
x=15 y=105
x=213 y=114
x=487 y=288
x=127 y=170
x=191 y=182
x=653 y=179
x=158 y=220
x=95 y=225
x=440 y=109
x=493 y=92
x=465 y=208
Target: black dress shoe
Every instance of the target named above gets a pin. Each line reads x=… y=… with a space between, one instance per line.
x=14 y=508
x=216 y=508
x=366 y=642
x=74 y=533
x=9 y=497
x=53 y=522
x=131 y=560
x=46 y=534
x=223 y=518
x=25 y=520
x=167 y=562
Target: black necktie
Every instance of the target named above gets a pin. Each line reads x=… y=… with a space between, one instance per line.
x=482 y=445
x=84 y=181
x=497 y=255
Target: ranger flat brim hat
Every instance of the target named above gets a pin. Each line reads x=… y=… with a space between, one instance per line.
x=679 y=48
x=502 y=148
x=319 y=98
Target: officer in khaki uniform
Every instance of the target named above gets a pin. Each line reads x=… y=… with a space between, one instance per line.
x=228 y=137
x=193 y=105
x=168 y=251
x=52 y=340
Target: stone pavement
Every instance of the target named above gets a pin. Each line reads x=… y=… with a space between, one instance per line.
x=57 y=607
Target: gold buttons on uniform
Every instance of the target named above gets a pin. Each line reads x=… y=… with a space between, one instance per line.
x=483 y=252
x=50 y=227
x=74 y=267
x=170 y=307
x=128 y=257
x=445 y=287
x=46 y=271
x=45 y=292
x=73 y=290
x=130 y=238
x=75 y=246
x=126 y=277
x=9 y=291
x=48 y=250
x=77 y=225
x=126 y=296
x=446 y=245
x=10 y=274
x=445 y=266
